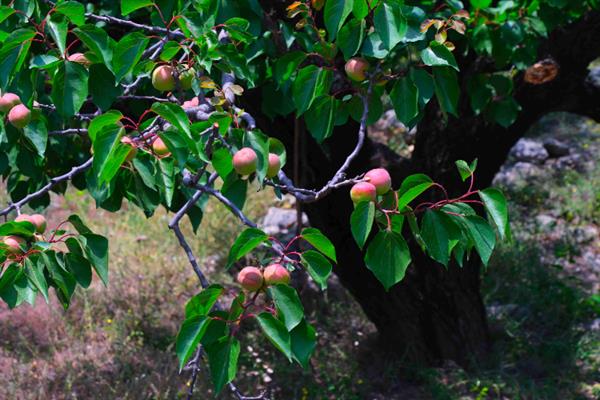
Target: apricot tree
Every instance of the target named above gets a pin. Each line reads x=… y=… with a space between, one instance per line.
x=182 y=102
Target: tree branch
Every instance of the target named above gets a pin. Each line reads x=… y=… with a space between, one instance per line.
x=53 y=182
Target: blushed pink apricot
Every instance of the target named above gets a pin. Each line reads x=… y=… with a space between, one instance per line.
x=19 y=116
x=251 y=278
x=160 y=148
x=276 y=273
x=13 y=244
x=8 y=101
x=245 y=161
x=162 y=78
x=274 y=165
x=363 y=191
x=80 y=58
x=356 y=68
x=379 y=178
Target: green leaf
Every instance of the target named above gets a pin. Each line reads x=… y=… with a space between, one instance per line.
x=446 y=89
x=98 y=41
x=495 y=205
x=320 y=117
x=165 y=176
x=405 y=99
x=373 y=46
x=483 y=236
x=96 y=250
x=145 y=168
x=463 y=169
x=222 y=360
x=78 y=224
x=247 y=241
x=361 y=221
x=58 y=27
x=108 y=118
x=69 y=88
x=24 y=228
x=109 y=152
x=360 y=9
x=13 y=54
x=318 y=267
x=438 y=55
x=309 y=84
x=388 y=257
x=80 y=268
x=276 y=332
x=351 y=37
x=128 y=52
x=177 y=117
x=203 y=302
x=189 y=336
x=390 y=23
x=424 y=83
x=129 y=6
x=35 y=273
x=259 y=142
x=289 y=305
x=235 y=189
x=411 y=188
x=319 y=242
x=102 y=86
x=37 y=133
x=440 y=233
x=222 y=161
x=481 y=3
x=504 y=111
x=62 y=280
x=304 y=341
x=73 y=10
x=335 y=13
x=5 y=12
x=286 y=66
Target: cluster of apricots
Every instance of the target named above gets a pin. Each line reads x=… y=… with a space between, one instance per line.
x=14 y=244
x=377 y=182
x=163 y=78
x=254 y=279
x=245 y=162
x=18 y=114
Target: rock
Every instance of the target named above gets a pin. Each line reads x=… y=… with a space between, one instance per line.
x=517 y=175
x=593 y=78
x=577 y=162
x=528 y=150
x=556 y=148
x=281 y=221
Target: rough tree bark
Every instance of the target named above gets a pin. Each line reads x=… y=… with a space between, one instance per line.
x=437 y=313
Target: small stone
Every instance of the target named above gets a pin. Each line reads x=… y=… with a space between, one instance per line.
x=529 y=150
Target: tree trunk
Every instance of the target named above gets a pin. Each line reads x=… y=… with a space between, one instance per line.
x=437 y=313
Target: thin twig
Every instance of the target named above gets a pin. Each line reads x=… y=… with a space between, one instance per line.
x=53 y=182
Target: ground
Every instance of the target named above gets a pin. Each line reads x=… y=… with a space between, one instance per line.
x=541 y=291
